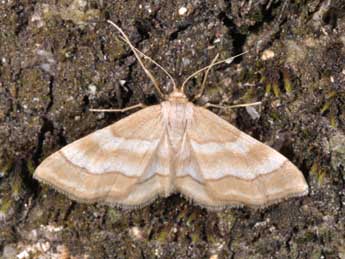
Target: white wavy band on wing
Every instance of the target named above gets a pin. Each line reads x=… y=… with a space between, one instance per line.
x=110 y=143
x=108 y=153
x=241 y=145
x=224 y=161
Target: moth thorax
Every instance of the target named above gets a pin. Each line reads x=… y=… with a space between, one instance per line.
x=177 y=117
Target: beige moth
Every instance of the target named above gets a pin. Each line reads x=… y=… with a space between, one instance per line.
x=174 y=146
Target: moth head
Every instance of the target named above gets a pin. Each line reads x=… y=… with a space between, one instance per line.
x=177 y=95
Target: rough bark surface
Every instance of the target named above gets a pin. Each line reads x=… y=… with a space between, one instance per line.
x=60 y=58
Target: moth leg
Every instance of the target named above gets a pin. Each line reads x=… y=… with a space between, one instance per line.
x=207 y=105
x=139 y=105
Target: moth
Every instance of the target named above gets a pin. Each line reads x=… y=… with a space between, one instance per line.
x=174 y=146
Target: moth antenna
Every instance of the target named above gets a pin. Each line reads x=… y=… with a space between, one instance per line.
x=139 y=105
x=228 y=60
x=154 y=62
x=148 y=73
x=203 y=85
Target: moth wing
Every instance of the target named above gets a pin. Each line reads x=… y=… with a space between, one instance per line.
x=222 y=166
x=125 y=164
